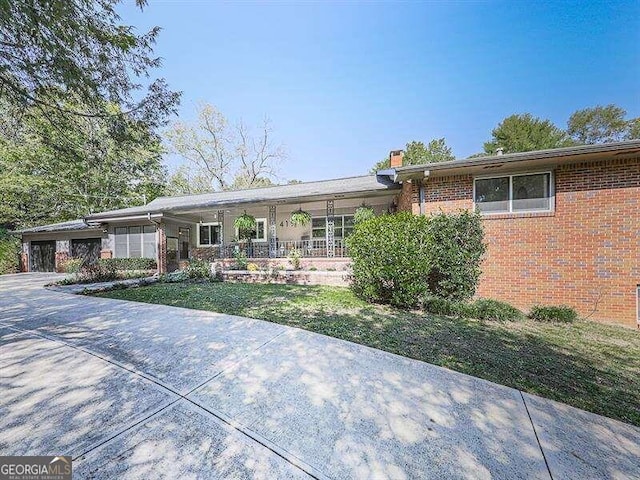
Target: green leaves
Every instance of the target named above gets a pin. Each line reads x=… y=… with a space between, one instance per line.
x=300 y=218
x=601 y=124
x=525 y=133
x=402 y=259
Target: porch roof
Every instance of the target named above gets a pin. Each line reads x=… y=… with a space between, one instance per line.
x=308 y=191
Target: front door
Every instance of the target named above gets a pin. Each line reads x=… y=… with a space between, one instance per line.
x=87 y=249
x=172 y=254
x=43 y=256
x=183 y=234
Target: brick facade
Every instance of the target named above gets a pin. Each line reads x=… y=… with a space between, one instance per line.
x=61 y=258
x=586 y=253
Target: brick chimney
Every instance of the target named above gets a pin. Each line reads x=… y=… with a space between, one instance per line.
x=395 y=158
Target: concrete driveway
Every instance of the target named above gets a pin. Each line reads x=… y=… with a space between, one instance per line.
x=146 y=391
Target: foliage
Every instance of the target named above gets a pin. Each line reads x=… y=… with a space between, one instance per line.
x=577 y=363
x=391 y=259
x=72 y=265
x=549 y=313
x=245 y=224
x=43 y=154
x=456 y=250
x=252 y=267
x=9 y=252
x=198 y=269
x=488 y=309
x=295 y=256
x=416 y=153
x=97 y=272
x=121 y=264
x=240 y=257
x=222 y=156
x=601 y=124
x=524 y=133
x=363 y=213
x=61 y=49
x=444 y=306
x=300 y=218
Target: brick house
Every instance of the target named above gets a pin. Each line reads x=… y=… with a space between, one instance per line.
x=562 y=226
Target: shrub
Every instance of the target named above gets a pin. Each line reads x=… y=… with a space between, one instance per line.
x=295 y=256
x=129 y=263
x=241 y=259
x=72 y=265
x=198 y=269
x=444 y=306
x=363 y=213
x=9 y=252
x=550 y=313
x=488 y=309
x=252 y=267
x=391 y=259
x=456 y=253
x=98 y=272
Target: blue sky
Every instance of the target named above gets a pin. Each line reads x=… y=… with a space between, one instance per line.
x=346 y=82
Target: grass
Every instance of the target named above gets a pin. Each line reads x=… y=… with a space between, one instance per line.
x=588 y=365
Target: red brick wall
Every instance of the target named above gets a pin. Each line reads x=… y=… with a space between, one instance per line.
x=585 y=254
x=61 y=257
x=408 y=199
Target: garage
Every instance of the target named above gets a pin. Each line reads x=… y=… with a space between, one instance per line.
x=88 y=249
x=43 y=256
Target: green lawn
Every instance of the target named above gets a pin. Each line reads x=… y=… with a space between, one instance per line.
x=588 y=365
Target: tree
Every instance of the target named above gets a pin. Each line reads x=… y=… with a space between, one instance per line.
x=56 y=167
x=226 y=157
x=525 y=133
x=59 y=49
x=416 y=153
x=601 y=124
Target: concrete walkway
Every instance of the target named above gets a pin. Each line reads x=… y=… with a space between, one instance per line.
x=147 y=391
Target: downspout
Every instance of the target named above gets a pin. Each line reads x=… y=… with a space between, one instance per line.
x=422 y=192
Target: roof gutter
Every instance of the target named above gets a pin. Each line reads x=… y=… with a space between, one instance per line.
x=148 y=216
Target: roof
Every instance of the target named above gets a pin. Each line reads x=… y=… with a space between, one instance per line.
x=78 y=224
x=524 y=159
x=298 y=191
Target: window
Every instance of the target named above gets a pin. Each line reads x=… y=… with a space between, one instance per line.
x=209 y=234
x=342 y=226
x=135 y=242
x=513 y=193
x=259 y=232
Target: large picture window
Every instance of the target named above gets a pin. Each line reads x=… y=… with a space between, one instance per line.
x=513 y=193
x=258 y=233
x=342 y=226
x=209 y=234
x=135 y=242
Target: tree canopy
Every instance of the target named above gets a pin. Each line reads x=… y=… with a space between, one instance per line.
x=69 y=167
x=59 y=49
x=602 y=124
x=417 y=153
x=221 y=155
x=525 y=133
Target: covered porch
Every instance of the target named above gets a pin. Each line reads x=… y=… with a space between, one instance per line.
x=210 y=234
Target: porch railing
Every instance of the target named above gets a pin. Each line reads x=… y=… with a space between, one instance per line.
x=307 y=248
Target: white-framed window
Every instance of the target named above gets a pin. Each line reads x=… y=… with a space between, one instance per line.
x=209 y=234
x=259 y=232
x=135 y=242
x=518 y=193
x=342 y=226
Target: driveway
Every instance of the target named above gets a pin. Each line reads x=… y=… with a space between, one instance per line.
x=143 y=391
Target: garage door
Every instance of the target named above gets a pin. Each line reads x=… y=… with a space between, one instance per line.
x=43 y=256
x=88 y=249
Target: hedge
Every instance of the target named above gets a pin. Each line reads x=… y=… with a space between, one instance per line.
x=128 y=263
x=403 y=259
x=9 y=252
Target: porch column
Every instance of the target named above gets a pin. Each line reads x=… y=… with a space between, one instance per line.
x=220 y=218
x=331 y=244
x=162 y=248
x=273 y=246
